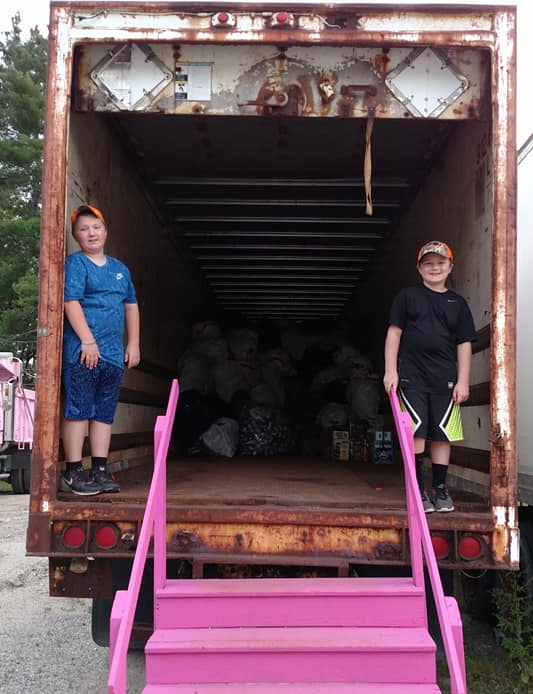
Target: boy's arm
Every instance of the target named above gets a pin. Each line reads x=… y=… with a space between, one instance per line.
x=132 y=355
x=392 y=346
x=461 y=391
x=89 y=349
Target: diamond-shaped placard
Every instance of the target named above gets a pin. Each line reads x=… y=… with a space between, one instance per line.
x=426 y=82
x=132 y=76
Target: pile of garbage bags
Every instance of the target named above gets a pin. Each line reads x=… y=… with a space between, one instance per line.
x=239 y=399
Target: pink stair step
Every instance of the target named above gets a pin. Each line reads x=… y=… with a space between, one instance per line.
x=290 y=602
x=292 y=688
x=296 y=654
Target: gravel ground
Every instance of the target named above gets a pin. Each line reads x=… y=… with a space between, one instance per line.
x=45 y=642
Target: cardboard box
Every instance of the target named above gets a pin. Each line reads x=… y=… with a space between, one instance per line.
x=341 y=445
x=383 y=448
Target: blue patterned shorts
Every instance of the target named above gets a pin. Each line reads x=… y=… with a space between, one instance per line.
x=92 y=393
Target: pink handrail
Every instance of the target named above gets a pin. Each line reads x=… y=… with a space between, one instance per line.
x=420 y=538
x=125 y=602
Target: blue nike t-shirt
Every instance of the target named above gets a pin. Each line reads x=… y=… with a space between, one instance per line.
x=102 y=292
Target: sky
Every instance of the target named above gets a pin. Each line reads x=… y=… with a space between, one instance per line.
x=36 y=12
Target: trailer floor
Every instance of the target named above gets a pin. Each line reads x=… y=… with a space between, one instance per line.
x=303 y=484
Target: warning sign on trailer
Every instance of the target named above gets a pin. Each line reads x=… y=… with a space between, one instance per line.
x=193 y=81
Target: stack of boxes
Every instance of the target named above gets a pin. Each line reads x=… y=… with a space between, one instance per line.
x=358 y=445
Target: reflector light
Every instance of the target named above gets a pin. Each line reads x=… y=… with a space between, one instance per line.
x=282 y=19
x=441 y=546
x=470 y=547
x=221 y=19
x=106 y=536
x=74 y=536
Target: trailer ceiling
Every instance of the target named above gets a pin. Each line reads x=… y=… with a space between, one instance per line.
x=272 y=209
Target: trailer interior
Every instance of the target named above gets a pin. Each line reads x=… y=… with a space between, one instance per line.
x=259 y=222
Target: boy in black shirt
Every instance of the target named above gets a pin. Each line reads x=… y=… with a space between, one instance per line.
x=428 y=353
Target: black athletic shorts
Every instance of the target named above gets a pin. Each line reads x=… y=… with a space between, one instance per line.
x=434 y=417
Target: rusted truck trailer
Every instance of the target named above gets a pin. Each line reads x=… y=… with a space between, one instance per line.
x=282 y=163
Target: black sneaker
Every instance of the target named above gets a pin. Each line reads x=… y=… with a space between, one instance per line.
x=442 y=500
x=79 y=481
x=105 y=480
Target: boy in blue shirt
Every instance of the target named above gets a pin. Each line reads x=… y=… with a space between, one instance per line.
x=428 y=354
x=99 y=299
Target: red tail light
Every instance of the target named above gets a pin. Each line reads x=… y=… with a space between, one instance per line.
x=106 y=536
x=470 y=547
x=74 y=536
x=441 y=546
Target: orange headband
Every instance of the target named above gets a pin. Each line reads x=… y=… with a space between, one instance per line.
x=84 y=209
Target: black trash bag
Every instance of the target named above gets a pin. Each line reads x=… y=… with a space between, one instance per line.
x=222 y=437
x=263 y=430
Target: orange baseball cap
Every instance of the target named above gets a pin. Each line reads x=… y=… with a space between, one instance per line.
x=86 y=209
x=438 y=247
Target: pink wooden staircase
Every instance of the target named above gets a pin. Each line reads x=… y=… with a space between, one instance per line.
x=292 y=636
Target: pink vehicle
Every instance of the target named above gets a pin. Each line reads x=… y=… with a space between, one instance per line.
x=17 y=406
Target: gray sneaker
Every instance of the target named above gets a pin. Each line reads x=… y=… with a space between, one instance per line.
x=442 y=500
x=426 y=502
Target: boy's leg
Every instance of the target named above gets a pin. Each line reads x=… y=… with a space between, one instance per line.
x=416 y=406
x=99 y=438
x=73 y=437
x=447 y=427
x=75 y=479
x=109 y=382
x=78 y=403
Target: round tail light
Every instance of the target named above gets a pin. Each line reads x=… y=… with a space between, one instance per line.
x=106 y=536
x=470 y=547
x=441 y=546
x=74 y=536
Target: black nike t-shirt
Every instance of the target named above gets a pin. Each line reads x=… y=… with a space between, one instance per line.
x=433 y=324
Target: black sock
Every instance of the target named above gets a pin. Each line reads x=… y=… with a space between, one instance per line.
x=74 y=466
x=439 y=473
x=419 y=460
x=98 y=462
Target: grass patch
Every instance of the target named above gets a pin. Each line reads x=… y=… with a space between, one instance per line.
x=489 y=669
x=5 y=487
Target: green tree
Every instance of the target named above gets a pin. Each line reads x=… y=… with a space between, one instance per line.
x=22 y=87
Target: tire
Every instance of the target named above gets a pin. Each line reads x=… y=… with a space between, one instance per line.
x=20 y=480
x=101 y=613
x=476 y=593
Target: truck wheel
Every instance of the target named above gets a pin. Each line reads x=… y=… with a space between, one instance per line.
x=101 y=613
x=476 y=590
x=20 y=480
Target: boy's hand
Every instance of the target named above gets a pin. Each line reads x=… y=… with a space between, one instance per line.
x=132 y=356
x=391 y=380
x=90 y=354
x=461 y=393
